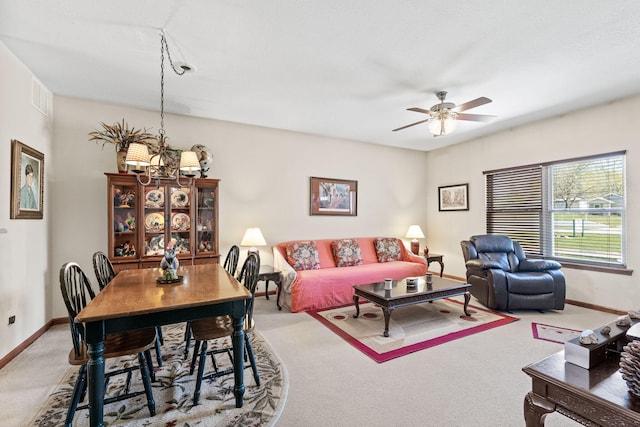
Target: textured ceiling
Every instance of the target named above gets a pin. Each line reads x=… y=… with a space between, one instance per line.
x=344 y=69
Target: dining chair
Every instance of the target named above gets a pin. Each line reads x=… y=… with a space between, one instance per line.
x=231 y=265
x=77 y=293
x=103 y=268
x=218 y=327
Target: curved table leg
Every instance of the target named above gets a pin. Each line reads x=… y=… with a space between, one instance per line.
x=387 y=316
x=536 y=409
x=467 y=298
x=357 y=304
x=441 y=267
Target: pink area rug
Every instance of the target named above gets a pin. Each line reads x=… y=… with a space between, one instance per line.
x=553 y=333
x=413 y=328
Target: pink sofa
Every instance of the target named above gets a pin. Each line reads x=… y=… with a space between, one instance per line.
x=330 y=285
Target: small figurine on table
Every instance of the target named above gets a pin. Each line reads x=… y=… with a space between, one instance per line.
x=169 y=263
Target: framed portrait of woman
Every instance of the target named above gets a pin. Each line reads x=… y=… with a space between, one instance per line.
x=27 y=181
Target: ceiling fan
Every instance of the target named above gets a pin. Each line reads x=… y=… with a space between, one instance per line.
x=443 y=116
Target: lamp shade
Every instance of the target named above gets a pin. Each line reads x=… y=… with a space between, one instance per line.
x=137 y=157
x=253 y=237
x=414 y=232
x=189 y=163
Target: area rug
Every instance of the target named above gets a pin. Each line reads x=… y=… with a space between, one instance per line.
x=553 y=333
x=173 y=392
x=411 y=328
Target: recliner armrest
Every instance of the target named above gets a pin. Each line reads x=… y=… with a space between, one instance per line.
x=539 y=265
x=483 y=264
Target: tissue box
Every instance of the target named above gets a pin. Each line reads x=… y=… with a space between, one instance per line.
x=588 y=356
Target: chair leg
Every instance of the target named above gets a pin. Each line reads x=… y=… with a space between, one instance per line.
x=203 y=354
x=159 y=334
x=196 y=349
x=252 y=359
x=152 y=372
x=187 y=340
x=78 y=391
x=158 y=352
x=144 y=370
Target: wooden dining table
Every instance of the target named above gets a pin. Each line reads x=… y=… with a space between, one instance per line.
x=134 y=300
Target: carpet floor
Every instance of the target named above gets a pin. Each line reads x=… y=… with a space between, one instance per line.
x=173 y=392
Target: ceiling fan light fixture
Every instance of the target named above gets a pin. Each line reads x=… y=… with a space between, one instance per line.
x=442 y=126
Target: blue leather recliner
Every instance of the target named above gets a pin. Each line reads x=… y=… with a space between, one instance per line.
x=502 y=277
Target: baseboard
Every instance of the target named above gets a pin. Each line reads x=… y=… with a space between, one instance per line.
x=26 y=343
x=595 y=307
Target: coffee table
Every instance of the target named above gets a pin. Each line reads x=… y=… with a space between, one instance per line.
x=401 y=295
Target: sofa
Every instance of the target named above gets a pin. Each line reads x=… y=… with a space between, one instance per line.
x=503 y=278
x=318 y=274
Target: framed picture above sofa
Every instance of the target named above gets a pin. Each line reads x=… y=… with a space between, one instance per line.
x=453 y=197
x=328 y=196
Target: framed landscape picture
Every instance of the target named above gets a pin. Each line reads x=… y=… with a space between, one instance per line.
x=453 y=197
x=333 y=197
x=27 y=181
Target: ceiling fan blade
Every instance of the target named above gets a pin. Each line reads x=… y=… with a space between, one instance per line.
x=419 y=110
x=474 y=117
x=412 y=124
x=471 y=104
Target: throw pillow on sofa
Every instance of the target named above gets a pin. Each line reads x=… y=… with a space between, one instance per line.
x=388 y=249
x=303 y=255
x=346 y=252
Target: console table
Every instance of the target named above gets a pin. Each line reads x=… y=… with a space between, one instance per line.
x=435 y=258
x=594 y=397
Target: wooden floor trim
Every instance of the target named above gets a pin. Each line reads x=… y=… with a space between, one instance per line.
x=26 y=343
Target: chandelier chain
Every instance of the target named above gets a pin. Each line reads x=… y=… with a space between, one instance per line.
x=165 y=46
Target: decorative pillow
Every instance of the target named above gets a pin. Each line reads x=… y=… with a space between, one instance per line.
x=346 y=252
x=388 y=249
x=303 y=255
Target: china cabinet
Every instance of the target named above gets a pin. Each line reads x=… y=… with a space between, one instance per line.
x=143 y=220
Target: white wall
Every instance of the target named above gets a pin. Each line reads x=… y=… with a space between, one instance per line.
x=24 y=248
x=265 y=181
x=602 y=129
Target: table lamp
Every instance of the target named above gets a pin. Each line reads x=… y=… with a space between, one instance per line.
x=253 y=237
x=415 y=233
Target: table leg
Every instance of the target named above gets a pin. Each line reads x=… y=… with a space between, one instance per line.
x=357 y=304
x=279 y=285
x=441 y=267
x=266 y=289
x=95 y=372
x=536 y=410
x=387 y=316
x=238 y=358
x=467 y=298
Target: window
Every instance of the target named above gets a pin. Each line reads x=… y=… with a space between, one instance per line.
x=570 y=210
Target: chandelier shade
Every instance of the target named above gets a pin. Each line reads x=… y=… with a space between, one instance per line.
x=137 y=157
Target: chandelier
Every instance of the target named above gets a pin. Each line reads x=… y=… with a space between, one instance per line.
x=163 y=161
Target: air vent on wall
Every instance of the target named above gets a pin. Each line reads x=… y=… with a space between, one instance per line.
x=39 y=96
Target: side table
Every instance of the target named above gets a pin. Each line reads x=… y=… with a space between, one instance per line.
x=268 y=273
x=435 y=258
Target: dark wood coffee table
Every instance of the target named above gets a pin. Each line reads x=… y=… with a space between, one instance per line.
x=593 y=397
x=401 y=295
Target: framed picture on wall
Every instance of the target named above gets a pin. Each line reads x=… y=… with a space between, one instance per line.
x=453 y=197
x=333 y=197
x=27 y=181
